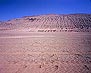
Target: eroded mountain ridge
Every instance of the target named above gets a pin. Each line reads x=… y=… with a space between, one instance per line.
x=50 y=23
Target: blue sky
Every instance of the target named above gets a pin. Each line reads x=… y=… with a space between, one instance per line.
x=10 y=9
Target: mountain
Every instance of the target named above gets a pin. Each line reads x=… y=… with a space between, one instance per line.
x=50 y=23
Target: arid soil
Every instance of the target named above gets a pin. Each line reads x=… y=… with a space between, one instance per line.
x=51 y=43
x=45 y=52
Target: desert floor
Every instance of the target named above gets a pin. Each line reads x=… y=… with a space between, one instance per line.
x=41 y=52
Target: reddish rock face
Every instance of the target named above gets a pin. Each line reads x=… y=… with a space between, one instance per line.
x=48 y=23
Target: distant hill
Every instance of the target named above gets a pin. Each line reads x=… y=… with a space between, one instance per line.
x=50 y=23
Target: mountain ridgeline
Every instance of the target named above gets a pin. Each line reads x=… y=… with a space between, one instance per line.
x=49 y=23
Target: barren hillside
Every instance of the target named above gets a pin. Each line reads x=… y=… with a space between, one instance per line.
x=38 y=50
x=50 y=23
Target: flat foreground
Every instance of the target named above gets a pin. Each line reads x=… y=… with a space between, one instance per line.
x=28 y=52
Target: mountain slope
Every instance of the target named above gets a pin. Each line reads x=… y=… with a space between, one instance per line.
x=50 y=23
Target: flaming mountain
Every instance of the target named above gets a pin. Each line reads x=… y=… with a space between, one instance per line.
x=49 y=23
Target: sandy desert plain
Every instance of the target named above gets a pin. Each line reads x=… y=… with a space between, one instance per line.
x=46 y=44
x=45 y=52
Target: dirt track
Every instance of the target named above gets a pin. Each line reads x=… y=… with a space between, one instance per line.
x=45 y=52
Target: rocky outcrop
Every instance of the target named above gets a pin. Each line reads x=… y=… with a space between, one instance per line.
x=51 y=23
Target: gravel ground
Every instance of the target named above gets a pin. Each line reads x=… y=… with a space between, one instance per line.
x=26 y=52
